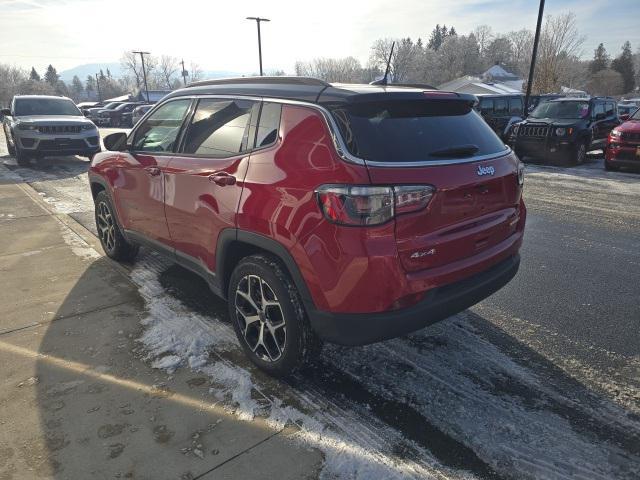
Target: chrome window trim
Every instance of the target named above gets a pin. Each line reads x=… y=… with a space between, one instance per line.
x=336 y=137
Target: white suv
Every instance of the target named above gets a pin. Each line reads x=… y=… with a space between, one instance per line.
x=40 y=125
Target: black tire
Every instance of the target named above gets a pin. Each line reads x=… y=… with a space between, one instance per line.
x=113 y=242
x=579 y=153
x=22 y=158
x=10 y=147
x=610 y=168
x=279 y=338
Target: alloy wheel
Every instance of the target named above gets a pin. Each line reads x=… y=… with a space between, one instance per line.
x=106 y=226
x=260 y=318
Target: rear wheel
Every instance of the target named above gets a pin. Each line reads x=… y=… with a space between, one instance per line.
x=113 y=242
x=269 y=318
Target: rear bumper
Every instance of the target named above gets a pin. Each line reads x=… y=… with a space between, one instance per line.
x=438 y=304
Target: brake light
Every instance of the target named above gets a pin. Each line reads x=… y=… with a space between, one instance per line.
x=357 y=205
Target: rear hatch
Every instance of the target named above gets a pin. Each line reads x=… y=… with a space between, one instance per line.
x=437 y=139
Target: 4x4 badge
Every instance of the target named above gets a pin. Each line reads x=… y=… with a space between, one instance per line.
x=485 y=170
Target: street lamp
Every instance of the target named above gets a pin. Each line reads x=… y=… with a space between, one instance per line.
x=534 y=54
x=258 y=20
x=144 y=72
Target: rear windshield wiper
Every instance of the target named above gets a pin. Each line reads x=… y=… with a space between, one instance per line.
x=457 y=151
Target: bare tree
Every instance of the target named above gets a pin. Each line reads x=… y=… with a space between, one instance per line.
x=559 y=39
x=483 y=34
x=459 y=55
x=331 y=69
x=167 y=68
x=131 y=63
x=606 y=82
x=403 y=60
x=10 y=80
x=521 y=50
x=195 y=73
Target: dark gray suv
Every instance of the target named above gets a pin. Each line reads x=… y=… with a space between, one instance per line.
x=37 y=126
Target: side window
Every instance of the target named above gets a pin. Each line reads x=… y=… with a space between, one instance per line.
x=220 y=128
x=486 y=106
x=610 y=109
x=500 y=106
x=598 y=108
x=515 y=106
x=269 y=124
x=159 y=132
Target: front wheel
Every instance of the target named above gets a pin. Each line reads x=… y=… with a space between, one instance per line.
x=21 y=157
x=579 y=154
x=269 y=318
x=113 y=242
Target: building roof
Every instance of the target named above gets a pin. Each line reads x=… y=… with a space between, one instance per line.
x=497 y=72
x=475 y=86
x=307 y=90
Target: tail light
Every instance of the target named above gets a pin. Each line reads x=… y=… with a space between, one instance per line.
x=357 y=205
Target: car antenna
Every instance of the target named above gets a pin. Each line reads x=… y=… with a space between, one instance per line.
x=383 y=80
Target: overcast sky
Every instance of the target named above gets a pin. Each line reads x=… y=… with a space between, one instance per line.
x=216 y=35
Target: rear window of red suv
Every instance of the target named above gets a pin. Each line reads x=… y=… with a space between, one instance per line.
x=415 y=131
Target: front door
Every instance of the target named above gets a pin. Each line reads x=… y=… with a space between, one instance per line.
x=139 y=191
x=204 y=181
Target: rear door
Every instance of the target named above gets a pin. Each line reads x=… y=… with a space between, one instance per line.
x=447 y=145
x=139 y=190
x=204 y=181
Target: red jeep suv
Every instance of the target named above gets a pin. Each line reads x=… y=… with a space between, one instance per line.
x=623 y=144
x=321 y=212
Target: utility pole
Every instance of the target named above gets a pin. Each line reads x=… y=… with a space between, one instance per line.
x=144 y=73
x=98 y=86
x=258 y=20
x=184 y=73
x=533 y=58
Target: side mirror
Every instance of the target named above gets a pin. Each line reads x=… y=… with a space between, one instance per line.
x=5 y=112
x=116 y=142
x=624 y=117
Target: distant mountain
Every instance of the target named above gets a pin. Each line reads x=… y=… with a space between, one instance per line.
x=83 y=71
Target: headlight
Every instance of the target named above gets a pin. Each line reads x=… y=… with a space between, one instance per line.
x=27 y=126
x=88 y=126
x=616 y=133
x=561 y=132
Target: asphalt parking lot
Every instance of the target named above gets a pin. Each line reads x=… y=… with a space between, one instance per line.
x=541 y=380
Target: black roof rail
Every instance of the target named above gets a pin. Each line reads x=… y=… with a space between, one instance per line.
x=284 y=80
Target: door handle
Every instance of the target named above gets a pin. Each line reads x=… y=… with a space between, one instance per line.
x=153 y=171
x=222 y=178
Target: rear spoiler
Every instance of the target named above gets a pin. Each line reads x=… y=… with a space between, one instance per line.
x=433 y=95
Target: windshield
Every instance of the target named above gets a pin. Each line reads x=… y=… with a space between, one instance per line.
x=570 y=110
x=636 y=115
x=45 y=106
x=111 y=105
x=413 y=131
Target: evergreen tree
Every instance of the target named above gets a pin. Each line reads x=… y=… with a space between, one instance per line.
x=90 y=85
x=34 y=75
x=623 y=64
x=108 y=73
x=102 y=77
x=435 y=40
x=51 y=76
x=452 y=32
x=600 y=60
x=76 y=87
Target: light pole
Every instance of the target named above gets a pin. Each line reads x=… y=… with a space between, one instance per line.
x=533 y=58
x=98 y=86
x=184 y=73
x=144 y=73
x=258 y=20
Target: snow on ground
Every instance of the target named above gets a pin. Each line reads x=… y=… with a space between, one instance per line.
x=444 y=402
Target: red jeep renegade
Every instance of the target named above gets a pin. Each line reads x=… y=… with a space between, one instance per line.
x=321 y=212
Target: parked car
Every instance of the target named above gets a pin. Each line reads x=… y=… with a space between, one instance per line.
x=139 y=112
x=37 y=126
x=565 y=129
x=95 y=113
x=288 y=195
x=84 y=106
x=535 y=100
x=626 y=109
x=119 y=116
x=623 y=144
x=501 y=111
